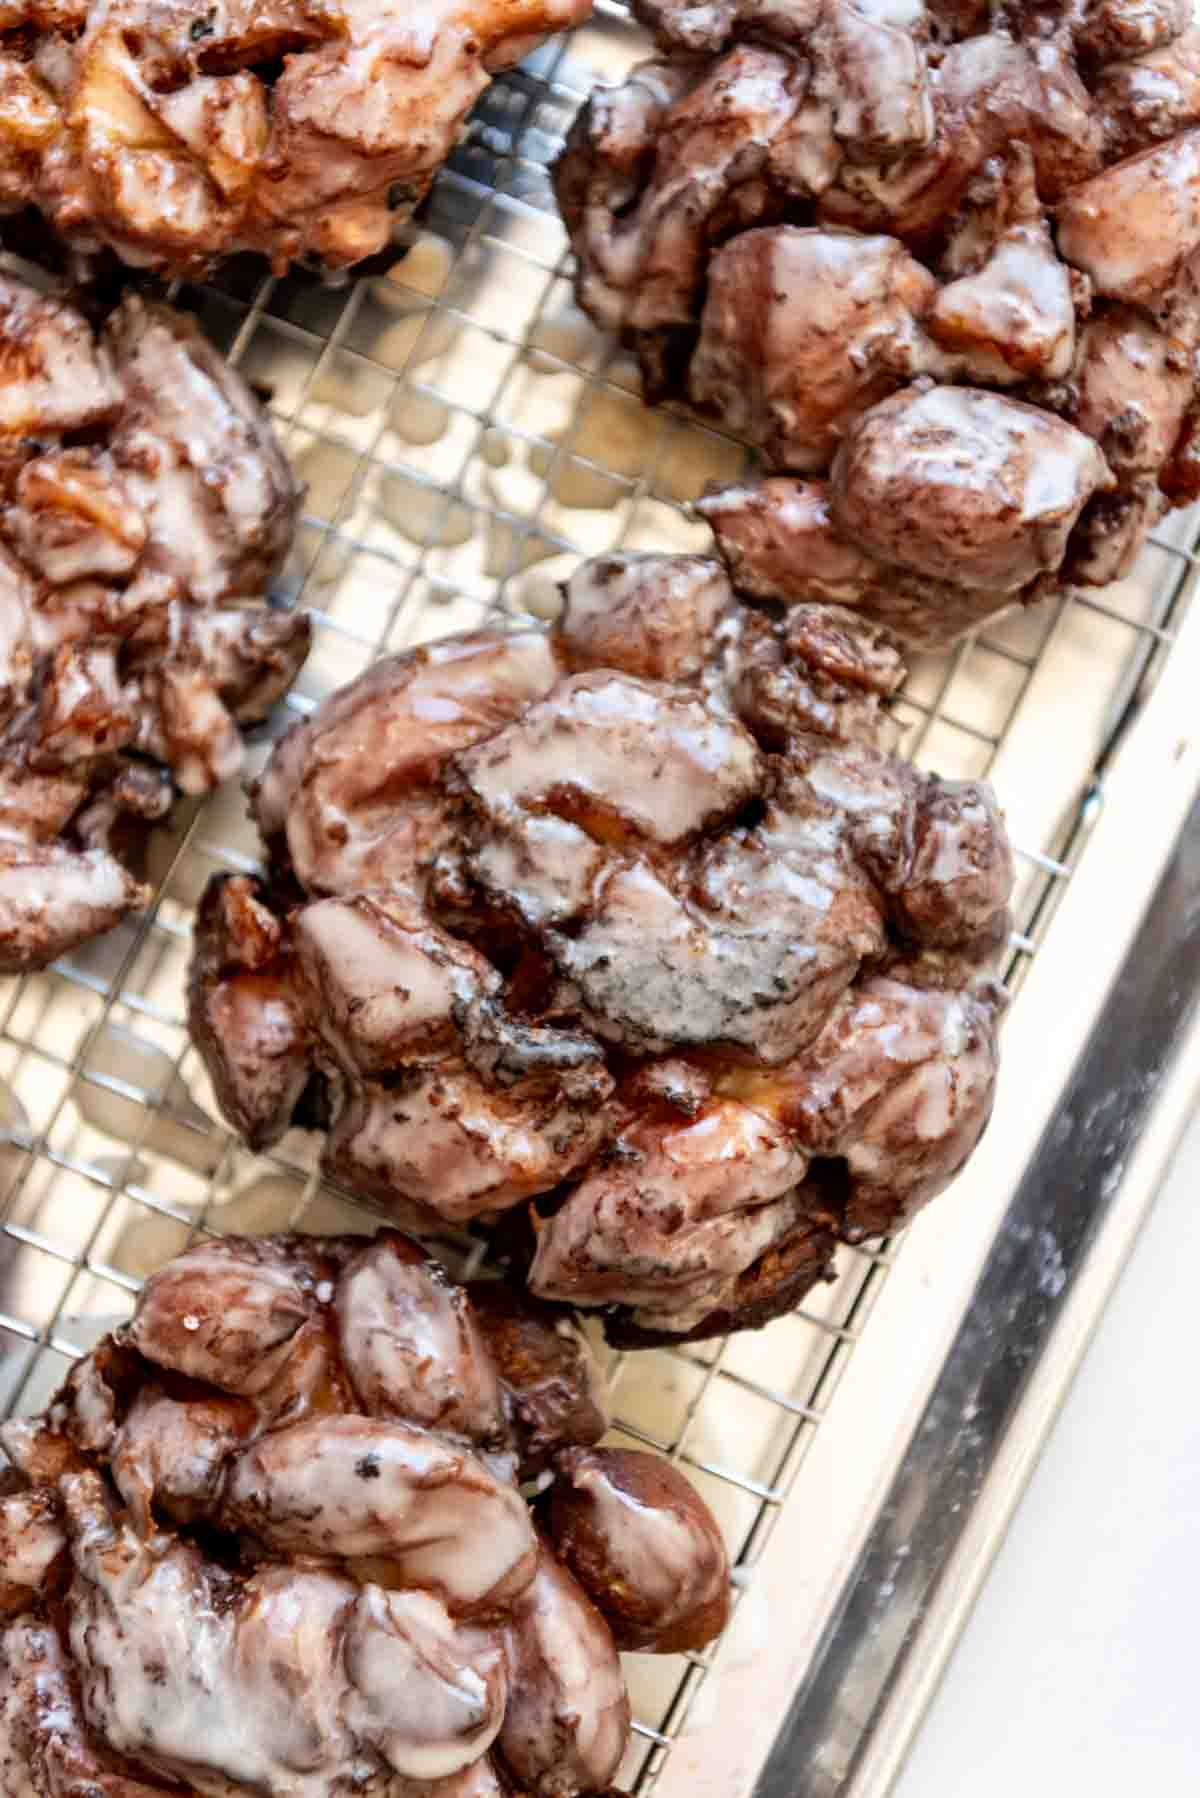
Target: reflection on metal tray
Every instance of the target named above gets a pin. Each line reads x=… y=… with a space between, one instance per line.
x=465 y=435
x=1049 y=1227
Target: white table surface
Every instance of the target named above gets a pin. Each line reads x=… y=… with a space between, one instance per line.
x=1078 y=1672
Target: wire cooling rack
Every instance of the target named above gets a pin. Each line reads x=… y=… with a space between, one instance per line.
x=465 y=436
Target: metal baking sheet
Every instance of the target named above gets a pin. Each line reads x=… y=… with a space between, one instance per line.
x=465 y=436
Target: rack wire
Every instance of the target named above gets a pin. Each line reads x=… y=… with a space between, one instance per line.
x=466 y=437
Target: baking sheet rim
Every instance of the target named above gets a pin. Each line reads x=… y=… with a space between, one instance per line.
x=814 y=1545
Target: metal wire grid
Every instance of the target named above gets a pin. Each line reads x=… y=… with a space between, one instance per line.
x=405 y=397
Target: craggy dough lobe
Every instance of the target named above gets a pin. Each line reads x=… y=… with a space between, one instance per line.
x=270 y=1537
x=178 y=132
x=624 y=941
x=938 y=262
x=145 y=507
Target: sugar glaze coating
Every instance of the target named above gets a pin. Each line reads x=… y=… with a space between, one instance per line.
x=177 y=133
x=625 y=940
x=146 y=508
x=235 y=1560
x=937 y=262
